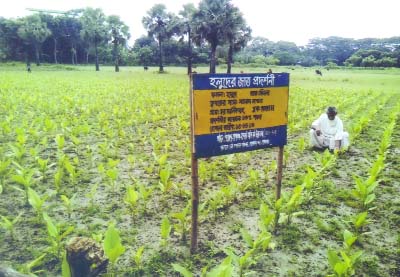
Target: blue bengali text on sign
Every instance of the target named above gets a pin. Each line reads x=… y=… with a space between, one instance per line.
x=235 y=113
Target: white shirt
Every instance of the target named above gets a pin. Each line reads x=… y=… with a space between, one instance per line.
x=330 y=129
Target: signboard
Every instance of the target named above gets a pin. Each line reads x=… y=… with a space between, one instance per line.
x=239 y=112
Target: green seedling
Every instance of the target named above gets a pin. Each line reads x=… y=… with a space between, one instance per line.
x=36 y=201
x=348 y=239
x=138 y=257
x=72 y=171
x=165 y=183
x=360 y=220
x=43 y=166
x=165 y=231
x=67 y=203
x=33 y=151
x=293 y=204
x=326 y=159
x=131 y=160
x=266 y=218
x=343 y=266
x=261 y=243
x=75 y=140
x=161 y=160
x=18 y=151
x=131 y=198
x=91 y=194
x=309 y=178
x=254 y=179
x=55 y=236
x=60 y=140
x=9 y=225
x=49 y=125
x=244 y=262
x=270 y=169
x=224 y=269
x=113 y=248
x=24 y=177
x=112 y=175
x=278 y=206
x=301 y=145
x=29 y=267
x=65 y=270
x=376 y=168
x=183 y=218
x=364 y=191
x=4 y=172
x=183 y=271
x=58 y=178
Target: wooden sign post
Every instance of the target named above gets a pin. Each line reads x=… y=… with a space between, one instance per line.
x=233 y=113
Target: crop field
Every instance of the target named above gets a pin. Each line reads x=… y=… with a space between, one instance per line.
x=106 y=155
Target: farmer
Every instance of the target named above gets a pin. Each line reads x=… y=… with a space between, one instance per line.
x=327 y=131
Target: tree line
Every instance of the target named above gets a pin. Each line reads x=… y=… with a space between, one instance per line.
x=214 y=32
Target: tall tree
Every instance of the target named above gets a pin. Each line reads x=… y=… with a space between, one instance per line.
x=119 y=35
x=34 y=32
x=11 y=45
x=94 y=29
x=238 y=33
x=186 y=29
x=161 y=25
x=54 y=25
x=71 y=28
x=212 y=24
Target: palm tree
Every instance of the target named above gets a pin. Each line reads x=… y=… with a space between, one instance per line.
x=119 y=36
x=186 y=28
x=160 y=25
x=94 y=29
x=217 y=22
x=237 y=34
x=34 y=32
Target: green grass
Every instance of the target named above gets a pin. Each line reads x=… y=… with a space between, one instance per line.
x=122 y=129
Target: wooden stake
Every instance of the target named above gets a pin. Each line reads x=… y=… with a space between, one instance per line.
x=195 y=204
x=279 y=173
x=278 y=185
x=195 y=178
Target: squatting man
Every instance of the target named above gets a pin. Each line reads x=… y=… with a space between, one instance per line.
x=327 y=131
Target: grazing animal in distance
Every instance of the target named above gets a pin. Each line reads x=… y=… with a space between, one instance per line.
x=145 y=68
x=318 y=72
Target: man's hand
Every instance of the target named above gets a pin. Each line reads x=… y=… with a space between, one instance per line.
x=318 y=132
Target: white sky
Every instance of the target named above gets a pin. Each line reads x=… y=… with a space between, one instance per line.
x=290 y=20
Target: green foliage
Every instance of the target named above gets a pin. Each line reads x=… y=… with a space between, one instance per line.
x=183 y=271
x=138 y=257
x=113 y=248
x=67 y=202
x=36 y=201
x=34 y=32
x=364 y=191
x=225 y=269
x=183 y=219
x=131 y=198
x=165 y=183
x=28 y=268
x=343 y=265
x=266 y=218
x=360 y=220
x=348 y=239
x=55 y=236
x=9 y=225
x=165 y=231
x=65 y=270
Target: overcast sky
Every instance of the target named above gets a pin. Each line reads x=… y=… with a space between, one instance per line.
x=290 y=20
